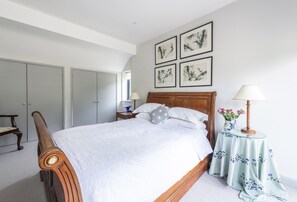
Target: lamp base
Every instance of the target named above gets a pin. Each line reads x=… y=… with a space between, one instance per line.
x=248 y=131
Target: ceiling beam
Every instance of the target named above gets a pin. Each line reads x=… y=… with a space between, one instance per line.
x=25 y=15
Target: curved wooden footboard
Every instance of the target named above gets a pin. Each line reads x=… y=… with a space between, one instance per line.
x=60 y=179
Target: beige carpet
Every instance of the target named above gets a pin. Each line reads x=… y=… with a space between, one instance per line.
x=19 y=178
x=19 y=181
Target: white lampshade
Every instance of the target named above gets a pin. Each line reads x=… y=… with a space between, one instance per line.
x=249 y=92
x=135 y=96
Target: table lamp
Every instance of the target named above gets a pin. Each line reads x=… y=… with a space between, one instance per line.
x=248 y=93
x=134 y=97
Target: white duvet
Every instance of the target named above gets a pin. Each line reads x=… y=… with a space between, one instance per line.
x=131 y=160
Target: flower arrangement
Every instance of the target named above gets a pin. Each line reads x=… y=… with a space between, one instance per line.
x=229 y=115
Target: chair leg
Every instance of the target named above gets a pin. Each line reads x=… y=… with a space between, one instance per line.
x=19 y=135
x=41 y=176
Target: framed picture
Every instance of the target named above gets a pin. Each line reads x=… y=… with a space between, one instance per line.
x=196 y=41
x=196 y=72
x=165 y=51
x=165 y=76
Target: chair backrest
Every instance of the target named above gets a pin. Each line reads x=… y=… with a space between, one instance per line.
x=12 y=120
x=6 y=129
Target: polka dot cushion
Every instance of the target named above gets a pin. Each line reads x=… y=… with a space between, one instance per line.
x=159 y=115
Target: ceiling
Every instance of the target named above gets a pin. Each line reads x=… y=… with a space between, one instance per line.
x=132 y=21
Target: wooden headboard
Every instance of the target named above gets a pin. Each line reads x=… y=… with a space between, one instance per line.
x=201 y=101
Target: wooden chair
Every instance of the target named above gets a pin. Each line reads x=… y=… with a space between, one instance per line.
x=12 y=130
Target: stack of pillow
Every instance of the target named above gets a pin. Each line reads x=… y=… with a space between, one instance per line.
x=158 y=113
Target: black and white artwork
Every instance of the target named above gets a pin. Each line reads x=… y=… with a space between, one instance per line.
x=196 y=72
x=165 y=76
x=165 y=51
x=196 y=41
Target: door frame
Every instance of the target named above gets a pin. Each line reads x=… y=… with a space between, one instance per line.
x=26 y=63
x=87 y=70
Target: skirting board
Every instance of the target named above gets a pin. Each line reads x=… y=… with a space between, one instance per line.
x=289 y=181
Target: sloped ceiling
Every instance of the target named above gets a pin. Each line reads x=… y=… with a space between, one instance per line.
x=133 y=21
x=110 y=29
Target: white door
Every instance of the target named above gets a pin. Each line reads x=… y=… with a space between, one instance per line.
x=93 y=97
x=45 y=94
x=107 y=97
x=84 y=97
x=13 y=98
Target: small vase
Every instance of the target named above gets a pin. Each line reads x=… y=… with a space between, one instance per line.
x=128 y=108
x=229 y=125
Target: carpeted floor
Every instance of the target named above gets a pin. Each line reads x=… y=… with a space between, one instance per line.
x=19 y=174
x=19 y=181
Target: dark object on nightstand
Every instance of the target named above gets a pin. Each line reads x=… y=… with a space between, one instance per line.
x=126 y=115
x=128 y=108
x=12 y=130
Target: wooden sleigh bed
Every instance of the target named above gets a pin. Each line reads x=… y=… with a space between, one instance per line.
x=60 y=180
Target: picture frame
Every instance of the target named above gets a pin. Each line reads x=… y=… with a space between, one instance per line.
x=166 y=51
x=165 y=76
x=197 y=41
x=196 y=72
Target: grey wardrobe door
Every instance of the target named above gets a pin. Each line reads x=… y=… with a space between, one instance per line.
x=13 y=98
x=107 y=97
x=45 y=94
x=84 y=97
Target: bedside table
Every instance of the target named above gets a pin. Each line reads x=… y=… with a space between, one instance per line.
x=125 y=115
x=247 y=162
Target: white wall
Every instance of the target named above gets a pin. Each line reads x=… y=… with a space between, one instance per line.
x=25 y=43
x=254 y=43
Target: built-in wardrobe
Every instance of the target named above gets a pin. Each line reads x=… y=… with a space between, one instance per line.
x=25 y=88
x=94 y=97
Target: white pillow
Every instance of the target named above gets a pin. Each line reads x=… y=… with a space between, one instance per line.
x=187 y=114
x=186 y=124
x=147 y=107
x=144 y=115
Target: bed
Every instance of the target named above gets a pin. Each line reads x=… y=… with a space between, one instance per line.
x=62 y=182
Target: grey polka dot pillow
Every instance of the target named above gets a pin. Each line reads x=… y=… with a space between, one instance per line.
x=159 y=115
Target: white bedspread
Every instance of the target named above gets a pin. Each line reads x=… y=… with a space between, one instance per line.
x=131 y=160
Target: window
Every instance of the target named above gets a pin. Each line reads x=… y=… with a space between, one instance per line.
x=126 y=89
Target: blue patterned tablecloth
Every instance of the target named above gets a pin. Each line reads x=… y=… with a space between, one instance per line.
x=247 y=162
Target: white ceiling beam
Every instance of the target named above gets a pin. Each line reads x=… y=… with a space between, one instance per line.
x=25 y=15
